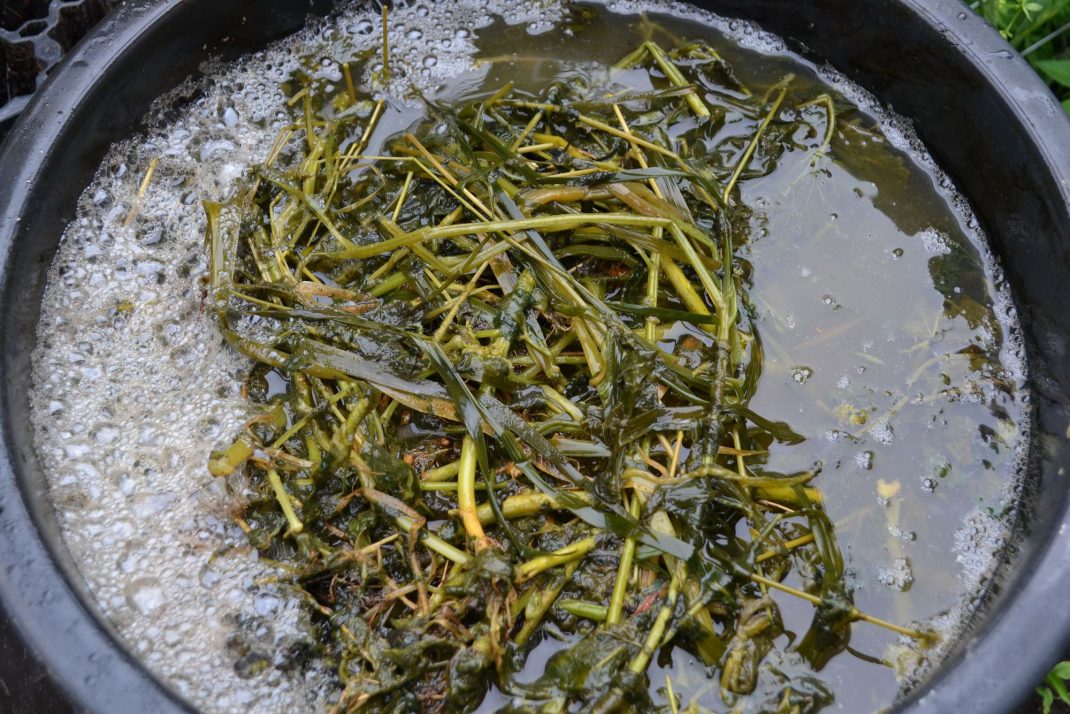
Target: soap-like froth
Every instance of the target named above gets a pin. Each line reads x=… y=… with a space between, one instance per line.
x=134 y=385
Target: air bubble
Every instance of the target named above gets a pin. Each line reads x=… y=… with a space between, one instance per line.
x=364 y=27
x=106 y=435
x=145 y=595
x=934 y=241
x=883 y=433
x=898 y=576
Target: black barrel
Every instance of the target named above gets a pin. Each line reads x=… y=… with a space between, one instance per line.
x=984 y=115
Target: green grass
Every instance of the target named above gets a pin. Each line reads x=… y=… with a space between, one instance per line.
x=1040 y=30
x=1054 y=686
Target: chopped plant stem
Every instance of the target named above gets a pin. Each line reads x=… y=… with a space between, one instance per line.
x=855 y=614
x=673 y=706
x=787 y=546
x=517 y=352
x=386 y=43
x=586 y=610
x=624 y=572
x=575 y=551
x=744 y=160
x=141 y=191
x=285 y=504
x=466 y=495
x=642 y=659
x=350 y=87
x=674 y=76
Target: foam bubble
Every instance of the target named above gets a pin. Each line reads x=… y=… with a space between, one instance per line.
x=882 y=432
x=934 y=241
x=981 y=534
x=897 y=576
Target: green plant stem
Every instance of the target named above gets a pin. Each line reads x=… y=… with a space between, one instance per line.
x=624 y=572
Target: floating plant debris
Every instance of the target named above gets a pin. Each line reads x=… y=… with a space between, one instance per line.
x=518 y=355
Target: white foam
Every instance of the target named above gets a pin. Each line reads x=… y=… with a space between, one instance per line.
x=897 y=576
x=133 y=385
x=979 y=535
x=935 y=242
